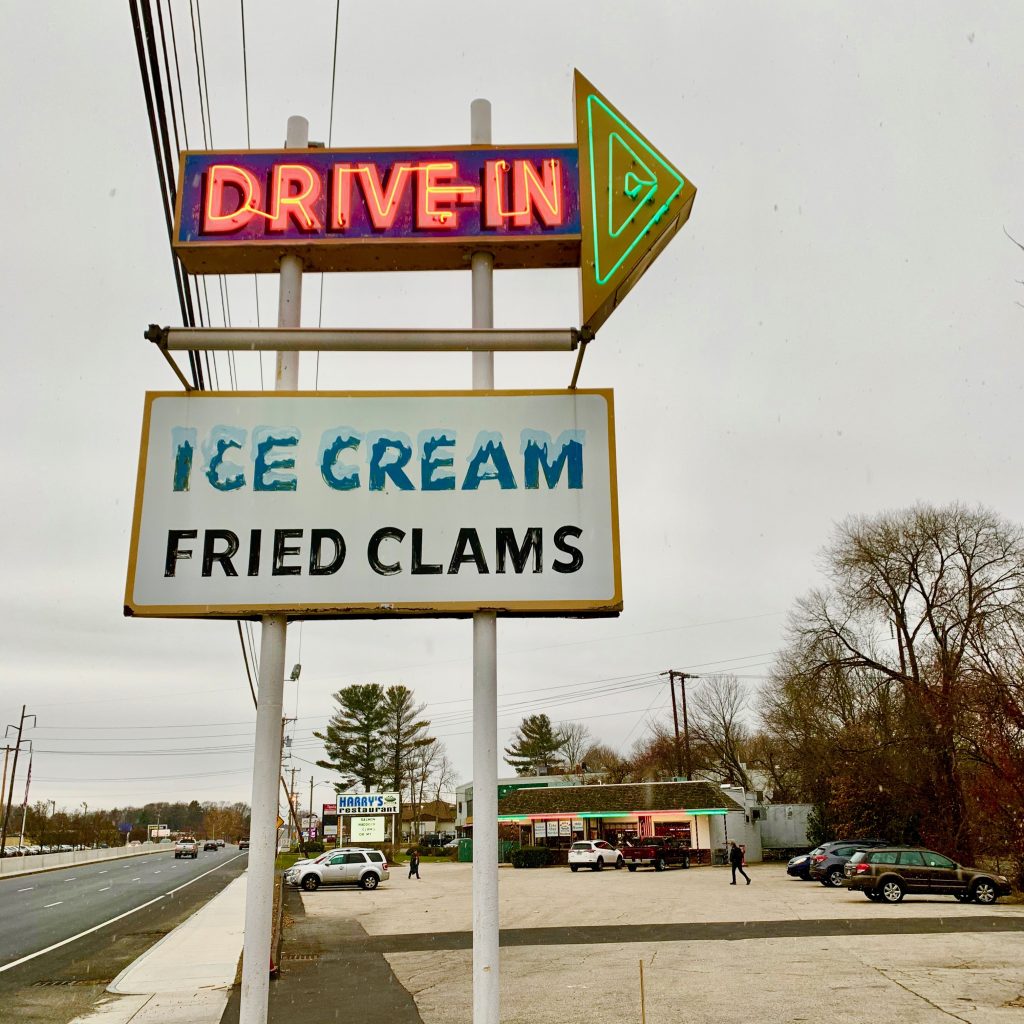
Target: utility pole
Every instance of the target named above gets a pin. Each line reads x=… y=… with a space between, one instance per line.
x=24 y=803
x=674 y=674
x=14 y=771
x=675 y=720
x=3 y=785
x=311 y=803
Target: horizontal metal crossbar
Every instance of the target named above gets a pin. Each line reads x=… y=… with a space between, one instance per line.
x=323 y=339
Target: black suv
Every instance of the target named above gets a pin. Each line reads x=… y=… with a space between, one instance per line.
x=827 y=863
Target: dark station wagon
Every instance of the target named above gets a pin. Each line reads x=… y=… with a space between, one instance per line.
x=888 y=874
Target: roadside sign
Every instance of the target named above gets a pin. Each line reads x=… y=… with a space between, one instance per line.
x=633 y=199
x=124 y=827
x=280 y=821
x=367 y=830
x=411 y=209
x=369 y=803
x=375 y=504
x=608 y=204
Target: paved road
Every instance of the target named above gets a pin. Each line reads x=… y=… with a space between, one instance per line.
x=65 y=934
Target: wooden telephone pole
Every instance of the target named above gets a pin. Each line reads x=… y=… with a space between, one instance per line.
x=673 y=675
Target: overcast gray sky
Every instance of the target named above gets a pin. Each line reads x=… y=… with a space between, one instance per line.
x=835 y=331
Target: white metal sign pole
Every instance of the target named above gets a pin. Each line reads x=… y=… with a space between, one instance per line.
x=259 y=891
x=486 y=980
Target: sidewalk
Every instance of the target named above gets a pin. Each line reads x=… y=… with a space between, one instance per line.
x=186 y=976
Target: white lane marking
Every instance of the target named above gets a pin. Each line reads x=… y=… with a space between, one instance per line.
x=103 y=872
x=46 y=906
x=104 y=889
x=29 y=889
x=72 y=879
x=103 y=924
x=136 y=879
x=156 y=872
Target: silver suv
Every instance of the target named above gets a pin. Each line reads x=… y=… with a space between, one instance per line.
x=363 y=867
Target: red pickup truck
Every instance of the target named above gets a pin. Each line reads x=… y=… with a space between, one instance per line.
x=658 y=853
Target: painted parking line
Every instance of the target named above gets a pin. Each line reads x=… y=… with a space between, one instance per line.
x=136 y=879
x=29 y=889
x=46 y=906
x=103 y=872
x=71 y=879
x=104 y=889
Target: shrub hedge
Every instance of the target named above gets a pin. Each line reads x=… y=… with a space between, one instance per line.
x=532 y=857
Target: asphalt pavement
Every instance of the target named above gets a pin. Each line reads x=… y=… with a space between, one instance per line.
x=66 y=930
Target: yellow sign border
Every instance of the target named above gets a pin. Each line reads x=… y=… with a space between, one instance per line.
x=400 y=610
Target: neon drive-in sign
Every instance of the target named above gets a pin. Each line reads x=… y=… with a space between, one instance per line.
x=413 y=209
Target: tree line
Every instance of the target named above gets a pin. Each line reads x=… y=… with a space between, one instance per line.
x=211 y=819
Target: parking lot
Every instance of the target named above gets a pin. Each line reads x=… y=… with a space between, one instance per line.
x=777 y=950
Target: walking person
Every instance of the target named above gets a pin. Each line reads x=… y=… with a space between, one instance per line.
x=414 y=864
x=736 y=862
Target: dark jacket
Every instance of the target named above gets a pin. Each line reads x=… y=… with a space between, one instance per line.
x=735 y=856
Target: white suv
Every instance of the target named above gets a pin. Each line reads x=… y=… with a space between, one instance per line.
x=594 y=854
x=365 y=868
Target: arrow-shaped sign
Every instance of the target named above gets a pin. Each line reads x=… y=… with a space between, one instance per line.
x=632 y=200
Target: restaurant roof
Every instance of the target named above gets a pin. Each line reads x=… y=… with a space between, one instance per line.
x=630 y=798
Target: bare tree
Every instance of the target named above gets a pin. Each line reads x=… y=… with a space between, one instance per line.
x=719 y=707
x=576 y=741
x=922 y=605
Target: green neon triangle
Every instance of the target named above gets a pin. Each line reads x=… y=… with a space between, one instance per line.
x=632 y=190
x=657 y=211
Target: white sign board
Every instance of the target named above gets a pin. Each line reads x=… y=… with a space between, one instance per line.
x=369 y=803
x=375 y=504
x=367 y=830
x=577 y=824
x=552 y=828
x=565 y=828
x=330 y=830
x=539 y=830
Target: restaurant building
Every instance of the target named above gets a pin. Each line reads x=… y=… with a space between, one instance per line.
x=701 y=815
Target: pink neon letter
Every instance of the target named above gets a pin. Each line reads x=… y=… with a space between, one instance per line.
x=218 y=178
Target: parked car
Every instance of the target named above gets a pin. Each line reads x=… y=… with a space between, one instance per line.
x=186 y=848
x=434 y=839
x=452 y=844
x=658 y=852
x=800 y=865
x=594 y=854
x=365 y=868
x=243 y=844
x=888 y=874
x=220 y=844
x=210 y=844
x=828 y=862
